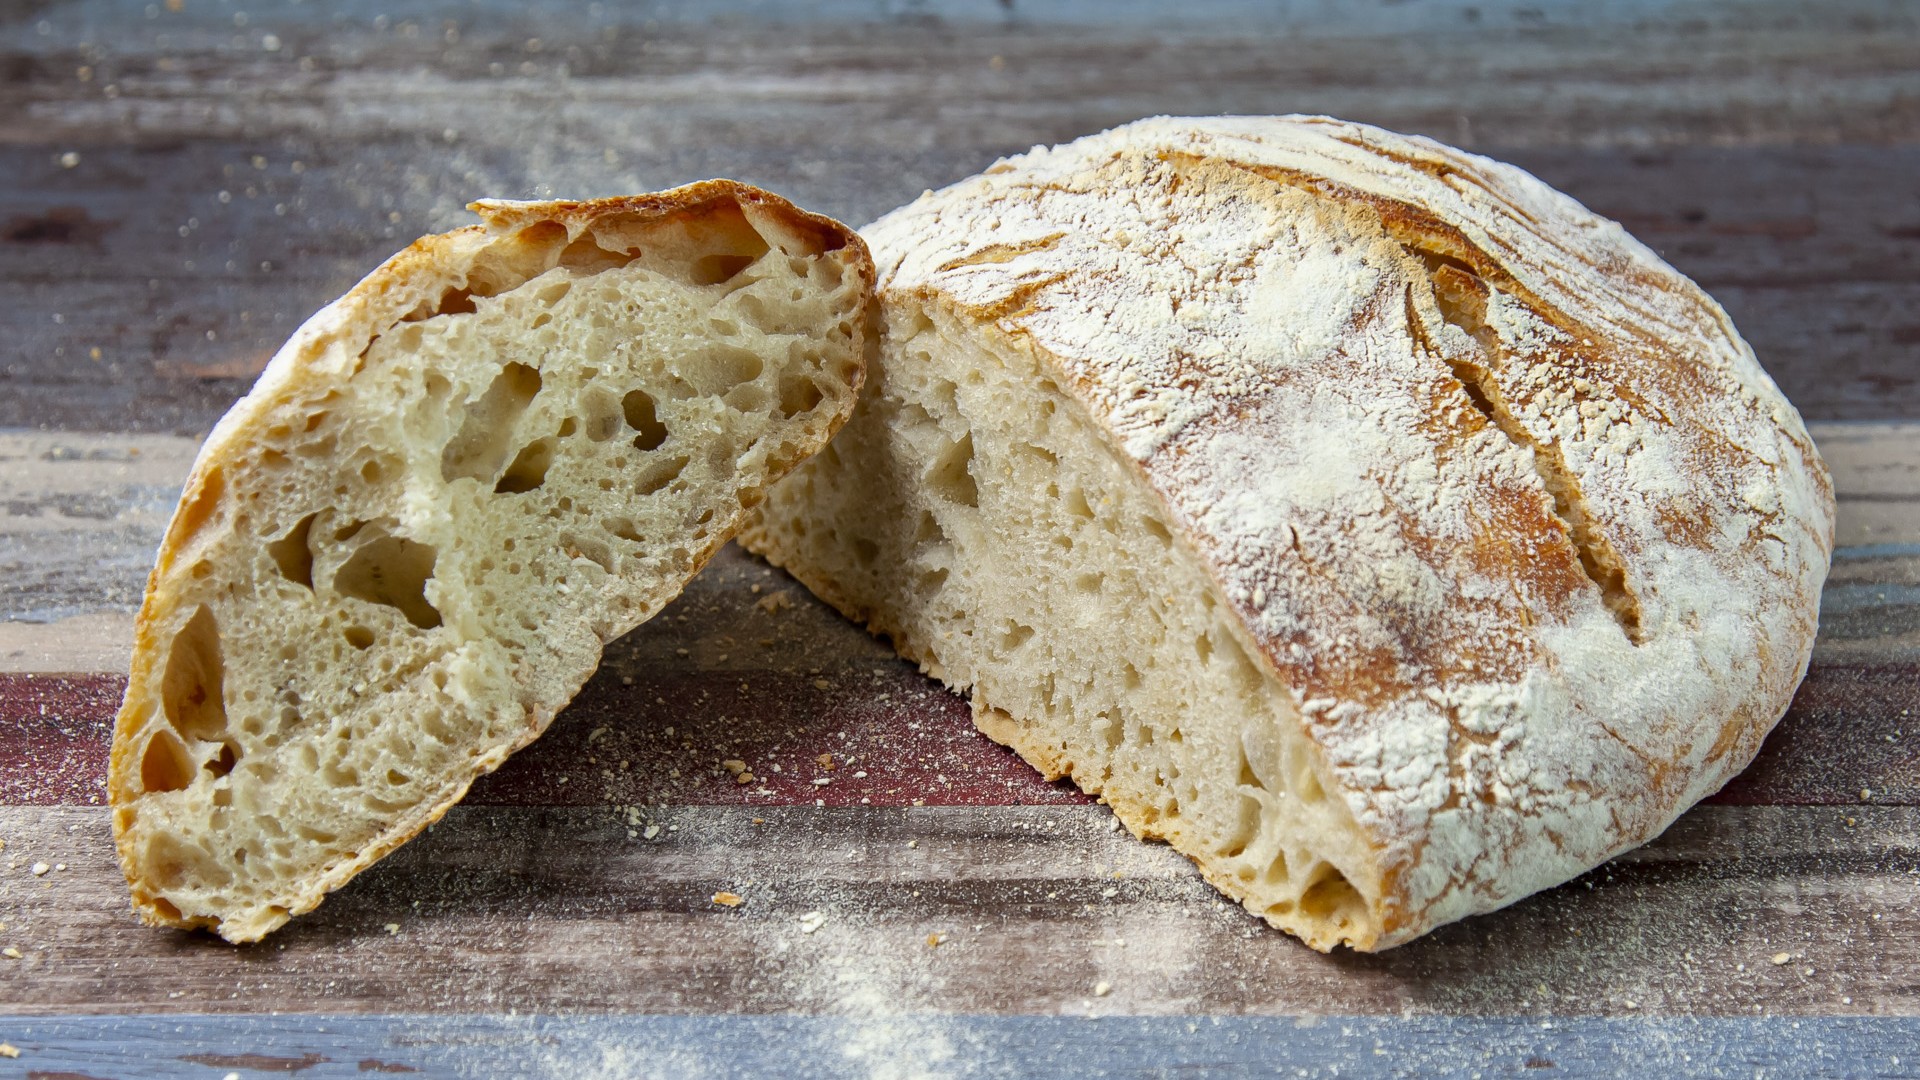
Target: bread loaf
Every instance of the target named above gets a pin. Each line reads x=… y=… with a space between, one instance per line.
x=400 y=555
x=1375 y=525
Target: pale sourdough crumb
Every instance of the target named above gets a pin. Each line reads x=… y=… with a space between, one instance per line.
x=403 y=551
x=1371 y=522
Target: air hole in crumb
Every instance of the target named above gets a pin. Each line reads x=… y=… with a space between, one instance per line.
x=1159 y=530
x=483 y=442
x=734 y=365
x=746 y=398
x=1203 y=648
x=932 y=580
x=191 y=689
x=586 y=547
x=865 y=551
x=950 y=478
x=370 y=472
x=529 y=468
x=638 y=409
x=1331 y=896
x=164 y=765
x=451 y=302
x=223 y=762
x=1306 y=784
x=292 y=554
x=625 y=529
x=568 y=427
x=1277 y=872
x=660 y=476
x=715 y=269
x=1015 y=635
x=928 y=529
x=586 y=256
x=359 y=636
x=601 y=413
x=392 y=571
x=798 y=394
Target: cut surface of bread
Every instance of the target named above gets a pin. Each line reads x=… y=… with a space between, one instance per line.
x=402 y=552
x=1365 y=519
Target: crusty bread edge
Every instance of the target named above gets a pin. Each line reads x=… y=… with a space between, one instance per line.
x=374 y=305
x=1000 y=726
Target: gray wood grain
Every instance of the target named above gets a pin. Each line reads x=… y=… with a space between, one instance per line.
x=538 y=909
x=185 y=194
x=81 y=516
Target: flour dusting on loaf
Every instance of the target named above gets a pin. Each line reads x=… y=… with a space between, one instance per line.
x=1522 y=546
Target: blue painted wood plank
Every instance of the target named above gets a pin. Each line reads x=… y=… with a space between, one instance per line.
x=969 y=1047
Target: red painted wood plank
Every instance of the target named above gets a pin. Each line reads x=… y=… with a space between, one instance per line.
x=895 y=738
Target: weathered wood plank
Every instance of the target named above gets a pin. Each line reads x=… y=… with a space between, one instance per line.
x=660 y=732
x=970 y=1047
x=81 y=515
x=185 y=195
x=502 y=909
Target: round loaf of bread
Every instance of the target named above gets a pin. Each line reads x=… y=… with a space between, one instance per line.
x=1373 y=523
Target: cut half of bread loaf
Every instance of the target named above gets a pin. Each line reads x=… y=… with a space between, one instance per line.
x=401 y=553
x=1372 y=523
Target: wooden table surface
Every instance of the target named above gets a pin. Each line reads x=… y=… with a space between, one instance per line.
x=187 y=180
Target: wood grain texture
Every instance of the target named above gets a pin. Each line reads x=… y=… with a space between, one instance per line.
x=431 y=1047
x=653 y=730
x=531 y=909
x=81 y=516
x=186 y=186
x=184 y=195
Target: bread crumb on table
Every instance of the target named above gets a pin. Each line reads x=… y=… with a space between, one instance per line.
x=10 y=953
x=8 y=1050
x=1780 y=959
x=728 y=899
x=1102 y=989
x=812 y=921
x=39 y=869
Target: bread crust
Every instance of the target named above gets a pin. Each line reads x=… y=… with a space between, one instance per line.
x=320 y=352
x=1502 y=501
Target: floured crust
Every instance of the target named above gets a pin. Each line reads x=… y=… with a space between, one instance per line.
x=1503 y=501
x=329 y=348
